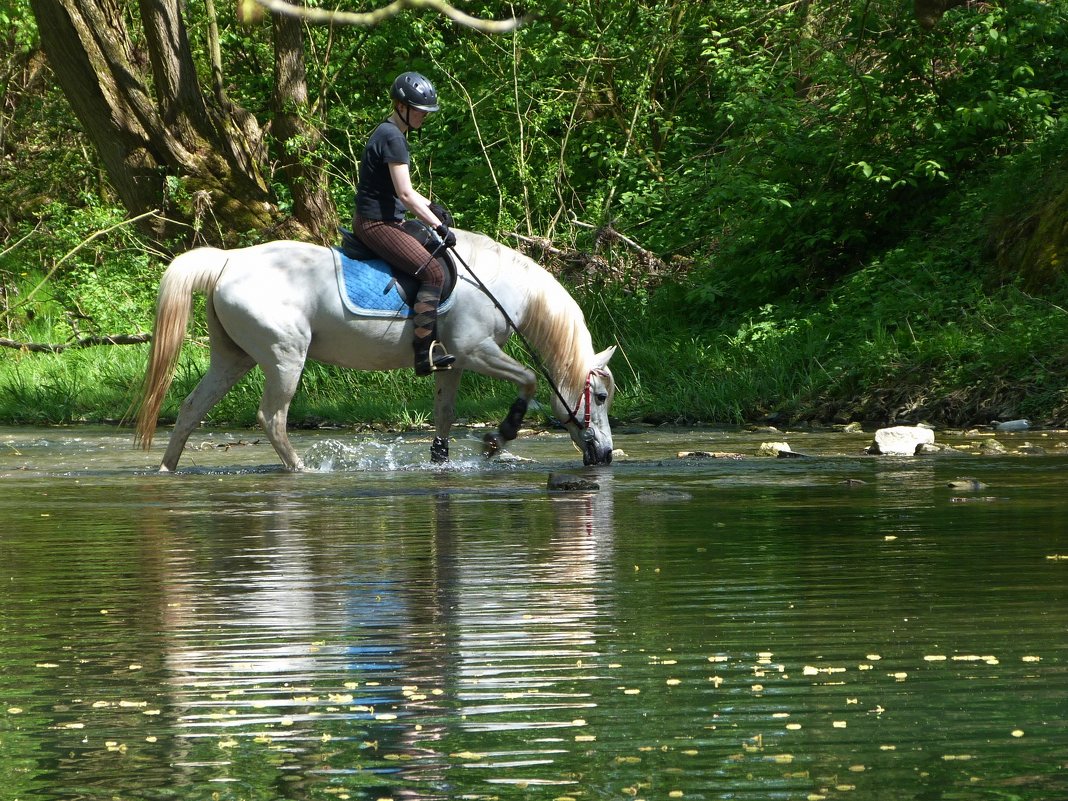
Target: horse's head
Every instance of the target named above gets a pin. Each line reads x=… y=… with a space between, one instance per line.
x=587 y=420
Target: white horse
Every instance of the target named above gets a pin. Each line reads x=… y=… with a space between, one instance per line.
x=278 y=304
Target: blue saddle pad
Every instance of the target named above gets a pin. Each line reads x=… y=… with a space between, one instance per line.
x=363 y=287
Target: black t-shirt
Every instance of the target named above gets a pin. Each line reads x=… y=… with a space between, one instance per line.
x=376 y=199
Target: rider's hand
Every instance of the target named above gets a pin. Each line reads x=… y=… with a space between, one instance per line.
x=447 y=236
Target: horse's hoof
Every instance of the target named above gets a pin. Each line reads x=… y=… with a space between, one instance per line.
x=491 y=445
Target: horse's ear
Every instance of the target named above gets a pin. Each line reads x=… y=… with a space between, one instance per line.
x=601 y=359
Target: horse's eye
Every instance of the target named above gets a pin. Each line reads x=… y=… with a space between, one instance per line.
x=602 y=397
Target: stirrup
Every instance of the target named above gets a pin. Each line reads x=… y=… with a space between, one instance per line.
x=429 y=363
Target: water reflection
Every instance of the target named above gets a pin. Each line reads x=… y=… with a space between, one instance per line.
x=283 y=632
x=714 y=630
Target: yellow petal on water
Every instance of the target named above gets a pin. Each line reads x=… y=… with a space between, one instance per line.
x=873 y=657
x=135 y=666
x=474 y=755
x=935 y=658
x=887 y=747
x=675 y=794
x=844 y=788
x=578 y=722
x=1031 y=658
x=1017 y=733
x=385 y=716
x=889 y=538
x=151 y=739
x=351 y=685
x=839 y=724
x=631 y=691
x=757 y=688
x=782 y=759
x=780 y=714
x=46 y=665
x=717 y=658
x=956 y=757
x=150 y=711
x=585 y=738
x=852 y=701
x=14 y=710
x=810 y=671
x=793 y=726
x=857 y=768
x=899 y=676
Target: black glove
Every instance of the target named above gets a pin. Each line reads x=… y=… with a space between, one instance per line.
x=447 y=236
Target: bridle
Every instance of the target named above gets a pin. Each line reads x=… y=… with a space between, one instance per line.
x=584 y=400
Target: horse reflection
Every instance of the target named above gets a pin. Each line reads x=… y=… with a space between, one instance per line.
x=294 y=620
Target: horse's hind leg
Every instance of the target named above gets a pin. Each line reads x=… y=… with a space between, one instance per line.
x=280 y=385
x=228 y=365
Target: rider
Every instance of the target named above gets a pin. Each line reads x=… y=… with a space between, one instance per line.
x=383 y=193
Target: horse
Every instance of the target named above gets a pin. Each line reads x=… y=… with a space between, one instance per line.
x=278 y=304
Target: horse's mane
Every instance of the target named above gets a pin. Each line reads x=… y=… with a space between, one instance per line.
x=554 y=325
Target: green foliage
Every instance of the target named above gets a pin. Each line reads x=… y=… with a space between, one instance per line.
x=828 y=175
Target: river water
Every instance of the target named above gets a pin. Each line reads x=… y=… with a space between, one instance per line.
x=839 y=626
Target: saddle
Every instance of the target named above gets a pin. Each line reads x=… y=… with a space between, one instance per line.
x=407 y=285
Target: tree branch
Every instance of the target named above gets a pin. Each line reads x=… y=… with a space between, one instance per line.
x=368 y=18
x=84 y=342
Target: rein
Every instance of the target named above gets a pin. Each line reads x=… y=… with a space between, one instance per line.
x=583 y=396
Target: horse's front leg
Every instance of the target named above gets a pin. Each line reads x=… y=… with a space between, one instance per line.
x=446 y=385
x=508 y=430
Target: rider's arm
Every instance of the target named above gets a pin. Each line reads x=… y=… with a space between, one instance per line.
x=412 y=200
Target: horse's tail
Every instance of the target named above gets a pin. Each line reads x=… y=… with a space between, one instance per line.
x=195 y=271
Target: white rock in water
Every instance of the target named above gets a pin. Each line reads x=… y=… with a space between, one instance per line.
x=901 y=440
x=772 y=448
x=1013 y=425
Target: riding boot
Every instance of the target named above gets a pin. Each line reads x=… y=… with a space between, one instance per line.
x=430 y=355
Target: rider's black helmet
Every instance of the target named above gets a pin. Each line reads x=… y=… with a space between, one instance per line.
x=416 y=91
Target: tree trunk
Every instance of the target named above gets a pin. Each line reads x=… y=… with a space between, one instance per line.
x=141 y=139
x=297 y=139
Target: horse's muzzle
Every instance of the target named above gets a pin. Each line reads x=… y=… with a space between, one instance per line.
x=594 y=453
